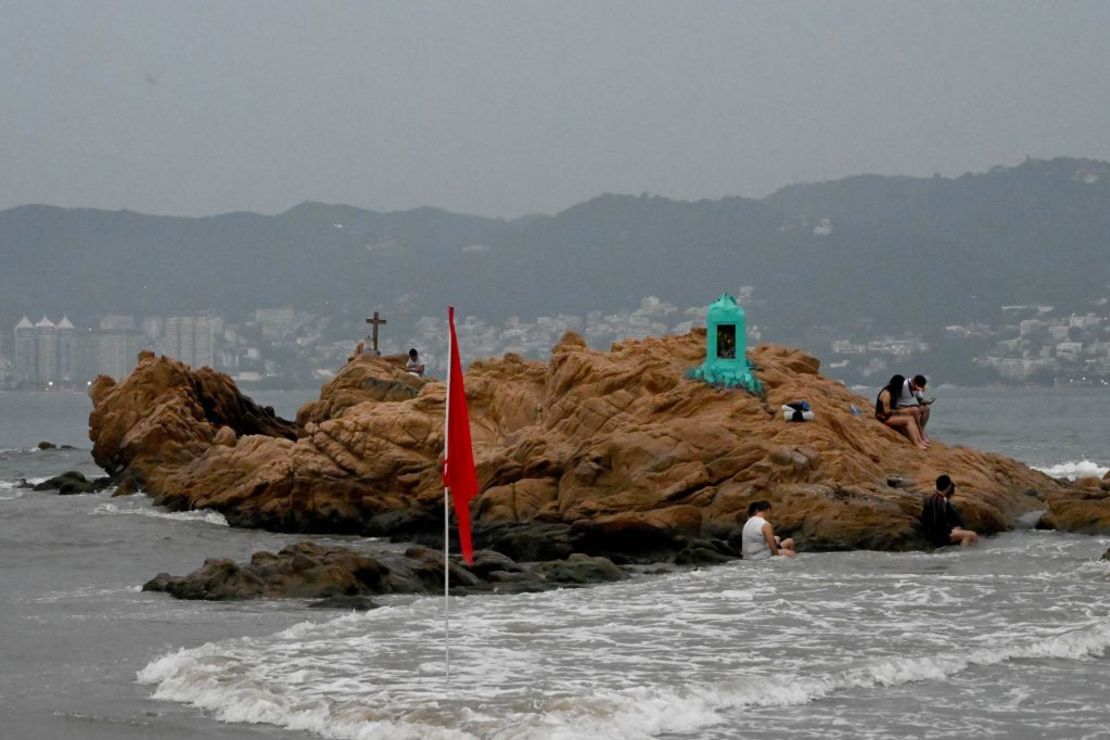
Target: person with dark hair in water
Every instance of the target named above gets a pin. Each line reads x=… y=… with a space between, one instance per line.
x=940 y=519
x=758 y=536
x=899 y=419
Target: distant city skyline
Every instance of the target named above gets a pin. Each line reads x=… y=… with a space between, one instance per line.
x=286 y=347
x=504 y=109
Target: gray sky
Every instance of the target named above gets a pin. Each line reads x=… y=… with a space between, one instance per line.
x=506 y=108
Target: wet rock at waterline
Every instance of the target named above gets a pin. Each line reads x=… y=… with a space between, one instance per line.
x=307 y=570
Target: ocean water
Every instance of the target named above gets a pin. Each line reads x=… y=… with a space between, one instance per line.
x=1009 y=639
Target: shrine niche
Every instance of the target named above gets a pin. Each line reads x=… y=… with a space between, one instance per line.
x=726 y=353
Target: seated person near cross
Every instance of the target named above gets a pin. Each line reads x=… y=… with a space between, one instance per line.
x=414 y=365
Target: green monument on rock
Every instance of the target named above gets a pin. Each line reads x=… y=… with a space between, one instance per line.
x=726 y=360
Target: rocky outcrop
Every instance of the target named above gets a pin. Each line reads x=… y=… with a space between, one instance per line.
x=1084 y=509
x=611 y=453
x=71 y=482
x=339 y=576
x=1080 y=506
x=166 y=414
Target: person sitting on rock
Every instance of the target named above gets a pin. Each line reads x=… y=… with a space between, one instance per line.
x=940 y=519
x=901 y=420
x=414 y=365
x=913 y=399
x=758 y=536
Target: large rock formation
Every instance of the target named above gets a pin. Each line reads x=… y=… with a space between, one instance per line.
x=611 y=453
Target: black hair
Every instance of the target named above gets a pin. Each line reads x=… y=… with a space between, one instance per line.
x=920 y=381
x=943 y=483
x=895 y=388
x=412 y=352
x=757 y=506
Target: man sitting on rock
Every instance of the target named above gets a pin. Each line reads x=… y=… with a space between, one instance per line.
x=414 y=365
x=941 y=521
x=913 y=400
x=758 y=537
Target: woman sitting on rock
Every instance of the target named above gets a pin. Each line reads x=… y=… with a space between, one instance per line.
x=899 y=419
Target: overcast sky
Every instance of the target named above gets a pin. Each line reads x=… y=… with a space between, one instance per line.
x=501 y=109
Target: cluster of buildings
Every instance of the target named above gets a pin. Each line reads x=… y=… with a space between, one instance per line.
x=1039 y=344
x=279 y=345
x=284 y=347
x=1030 y=344
x=864 y=359
x=653 y=317
x=46 y=354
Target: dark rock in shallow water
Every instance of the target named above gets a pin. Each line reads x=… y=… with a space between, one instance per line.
x=490 y=561
x=307 y=570
x=1106 y=555
x=72 y=482
x=580 y=569
x=528 y=541
x=352 y=603
x=47 y=446
x=706 y=552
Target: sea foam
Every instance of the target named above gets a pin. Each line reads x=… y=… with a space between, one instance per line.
x=199 y=515
x=1074 y=469
x=10 y=490
x=236 y=682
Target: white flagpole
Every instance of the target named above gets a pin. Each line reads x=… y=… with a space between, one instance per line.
x=446 y=520
x=446 y=575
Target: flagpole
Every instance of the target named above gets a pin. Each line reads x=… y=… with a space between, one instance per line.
x=446 y=575
x=446 y=517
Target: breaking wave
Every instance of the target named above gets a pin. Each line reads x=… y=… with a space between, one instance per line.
x=1074 y=469
x=199 y=515
x=250 y=680
x=13 y=489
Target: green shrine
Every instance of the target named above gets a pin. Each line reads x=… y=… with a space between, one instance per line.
x=726 y=360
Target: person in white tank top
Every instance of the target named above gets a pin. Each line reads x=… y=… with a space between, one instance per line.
x=758 y=537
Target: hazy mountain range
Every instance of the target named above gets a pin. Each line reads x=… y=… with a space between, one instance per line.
x=909 y=253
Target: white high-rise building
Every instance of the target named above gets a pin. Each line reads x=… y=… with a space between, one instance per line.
x=67 y=352
x=46 y=352
x=203 y=343
x=191 y=339
x=25 y=357
x=114 y=353
x=180 y=339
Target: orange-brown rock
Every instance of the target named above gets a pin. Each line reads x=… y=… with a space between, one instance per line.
x=1084 y=510
x=617 y=448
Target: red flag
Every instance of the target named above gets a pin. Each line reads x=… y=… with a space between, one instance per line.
x=459 y=475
